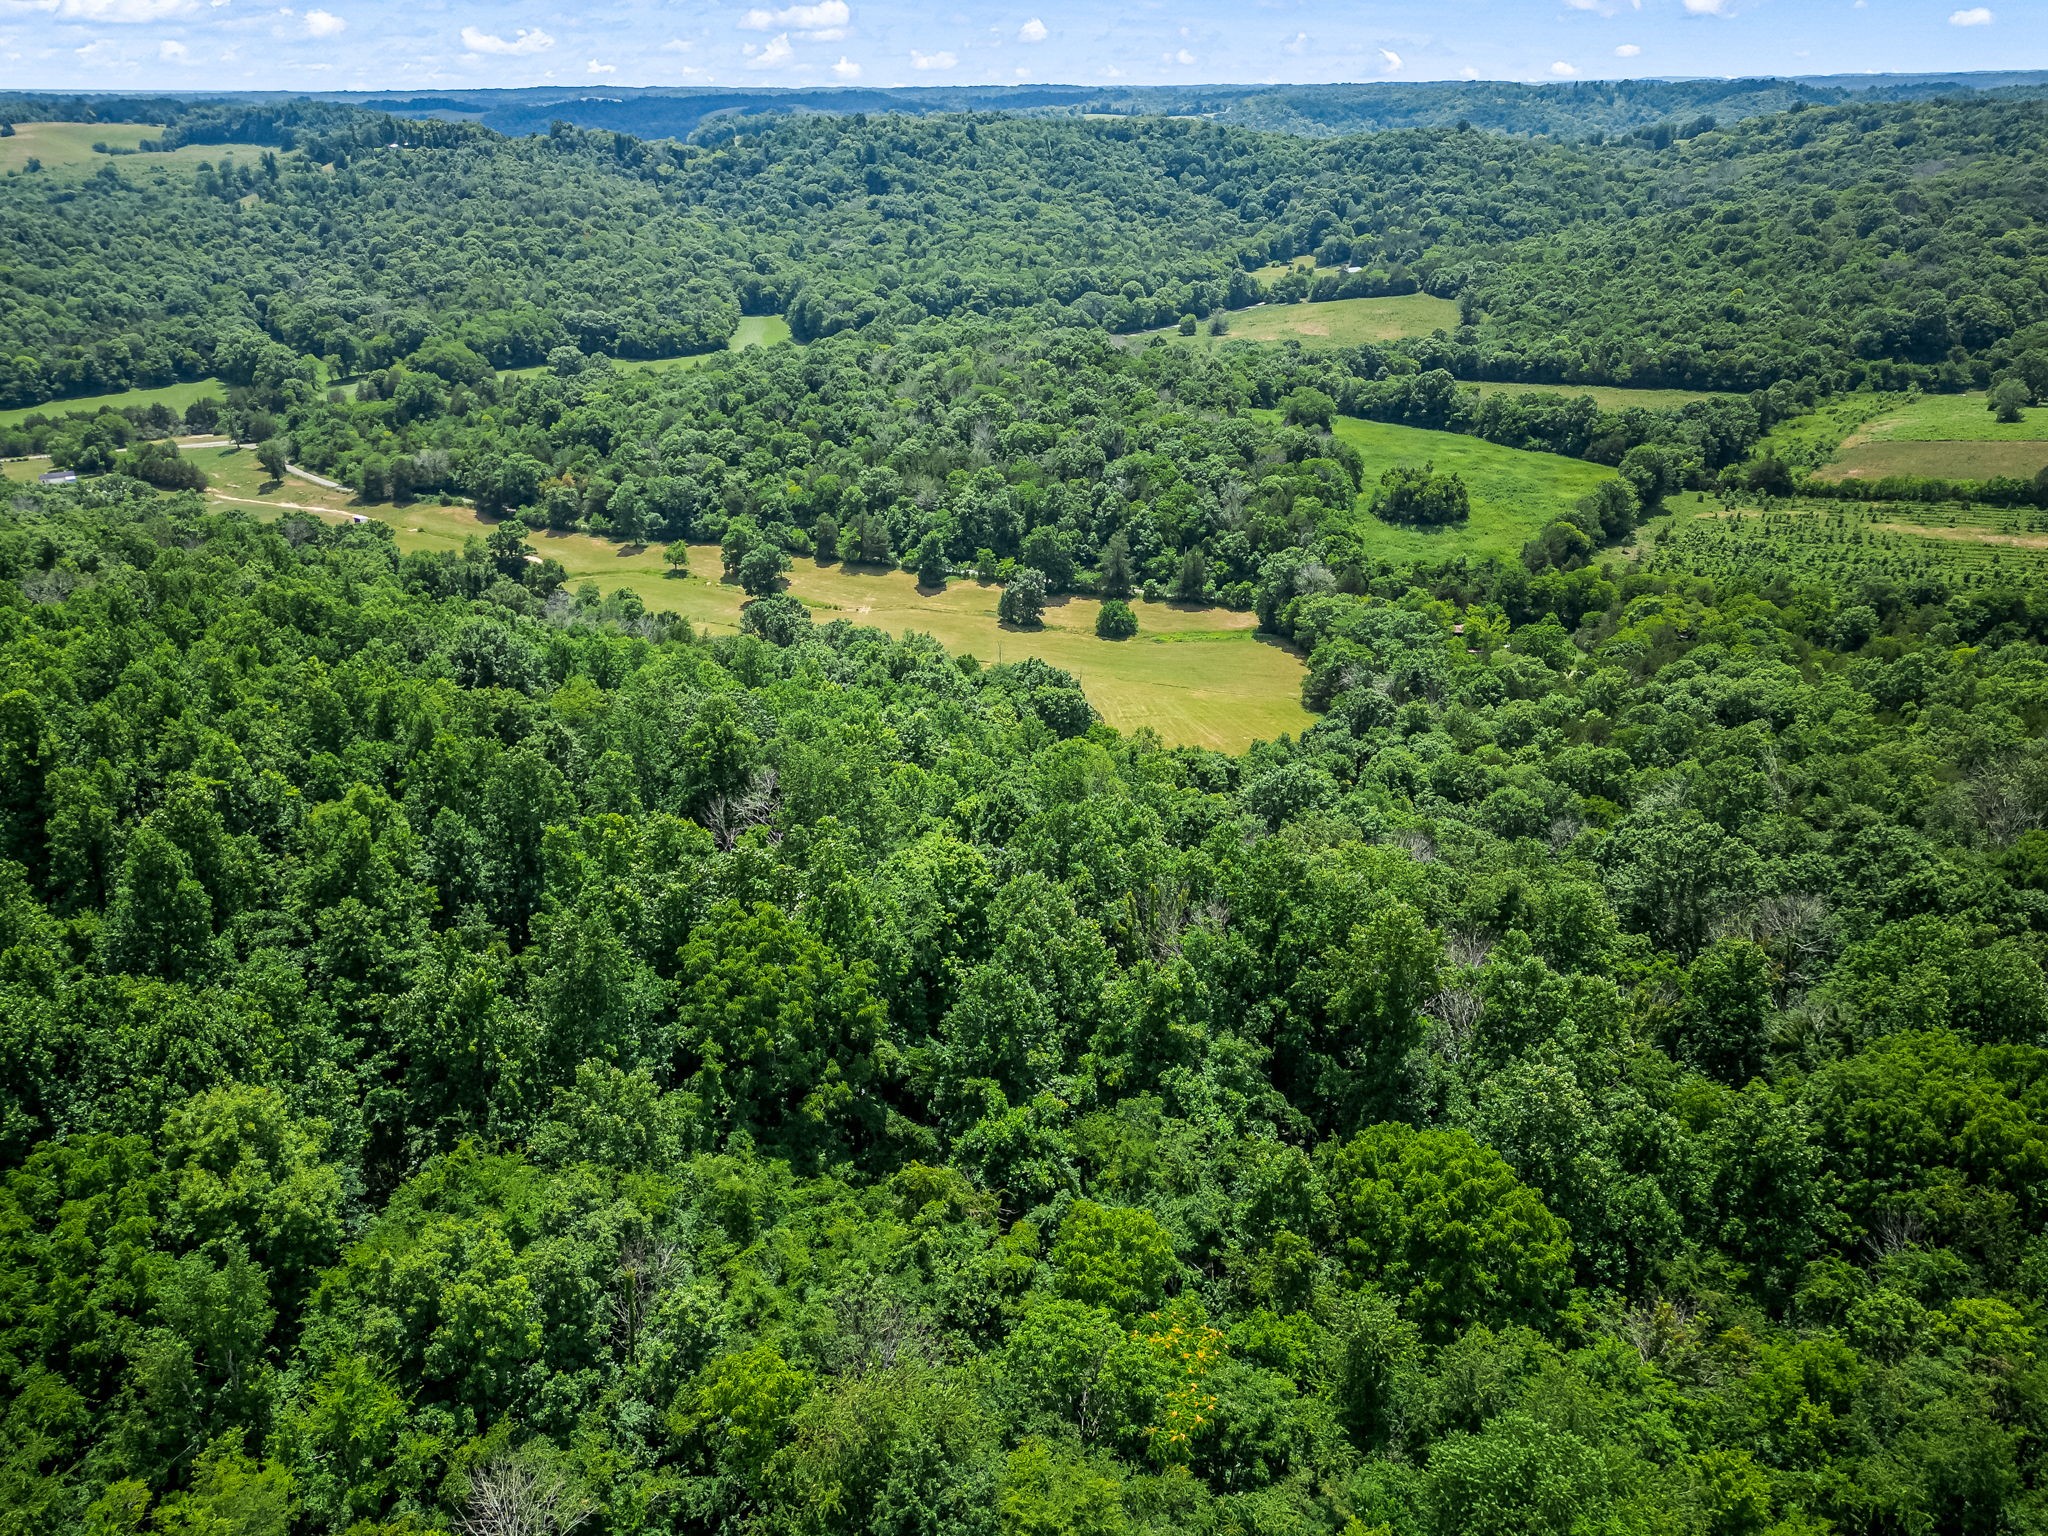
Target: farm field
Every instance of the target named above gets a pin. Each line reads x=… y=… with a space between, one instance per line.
x=1609 y=397
x=176 y=396
x=67 y=148
x=1952 y=418
x=1845 y=542
x=1197 y=676
x=1337 y=323
x=1515 y=494
x=1941 y=437
x=1934 y=460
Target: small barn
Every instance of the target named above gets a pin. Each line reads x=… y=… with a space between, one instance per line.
x=58 y=477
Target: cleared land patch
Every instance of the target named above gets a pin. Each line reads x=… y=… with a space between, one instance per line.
x=1198 y=676
x=1935 y=460
x=1515 y=494
x=1336 y=323
x=753 y=331
x=1609 y=397
x=1834 y=542
x=176 y=396
x=67 y=148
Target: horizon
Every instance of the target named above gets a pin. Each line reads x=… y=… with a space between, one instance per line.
x=201 y=46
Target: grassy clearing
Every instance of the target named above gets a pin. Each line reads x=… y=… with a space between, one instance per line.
x=1609 y=397
x=753 y=331
x=1197 y=676
x=1941 y=437
x=66 y=149
x=65 y=146
x=1966 y=460
x=1950 y=419
x=176 y=396
x=1515 y=494
x=1338 y=323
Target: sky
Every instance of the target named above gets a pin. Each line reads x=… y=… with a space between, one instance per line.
x=425 y=44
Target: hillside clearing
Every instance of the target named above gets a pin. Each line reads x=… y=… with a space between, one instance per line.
x=1337 y=323
x=1515 y=494
x=1198 y=676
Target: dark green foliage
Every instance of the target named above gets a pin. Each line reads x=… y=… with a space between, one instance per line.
x=466 y=1043
x=1116 y=620
x=1421 y=498
x=1023 y=600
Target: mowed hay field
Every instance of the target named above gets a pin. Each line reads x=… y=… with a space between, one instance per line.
x=1337 y=323
x=67 y=148
x=1609 y=397
x=176 y=396
x=1199 y=677
x=1942 y=437
x=1515 y=494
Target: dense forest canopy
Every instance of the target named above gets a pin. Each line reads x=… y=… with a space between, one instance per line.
x=478 y=1054
x=1864 y=243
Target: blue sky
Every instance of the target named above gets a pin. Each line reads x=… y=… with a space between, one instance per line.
x=421 y=44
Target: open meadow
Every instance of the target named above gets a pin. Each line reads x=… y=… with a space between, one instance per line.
x=1941 y=437
x=1337 y=323
x=67 y=148
x=1515 y=494
x=1197 y=676
x=1609 y=397
x=176 y=396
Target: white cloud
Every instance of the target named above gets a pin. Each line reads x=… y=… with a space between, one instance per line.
x=941 y=60
x=1393 y=60
x=1180 y=56
x=1563 y=70
x=595 y=68
x=1627 y=51
x=171 y=51
x=1033 y=31
x=1975 y=16
x=476 y=40
x=1706 y=7
x=324 y=24
x=846 y=69
x=677 y=45
x=772 y=55
x=1468 y=73
x=122 y=11
x=1296 y=45
x=98 y=51
x=825 y=22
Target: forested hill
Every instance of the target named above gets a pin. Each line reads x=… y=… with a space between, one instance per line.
x=1863 y=243
x=467 y=1056
x=1576 y=109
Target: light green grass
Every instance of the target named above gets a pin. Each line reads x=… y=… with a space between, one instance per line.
x=1515 y=494
x=1952 y=419
x=1940 y=437
x=1337 y=323
x=66 y=149
x=1197 y=676
x=753 y=331
x=1966 y=460
x=176 y=396
x=1609 y=397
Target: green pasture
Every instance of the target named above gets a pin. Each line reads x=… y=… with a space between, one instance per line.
x=1515 y=494
x=1609 y=397
x=1198 y=676
x=1337 y=323
x=176 y=396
